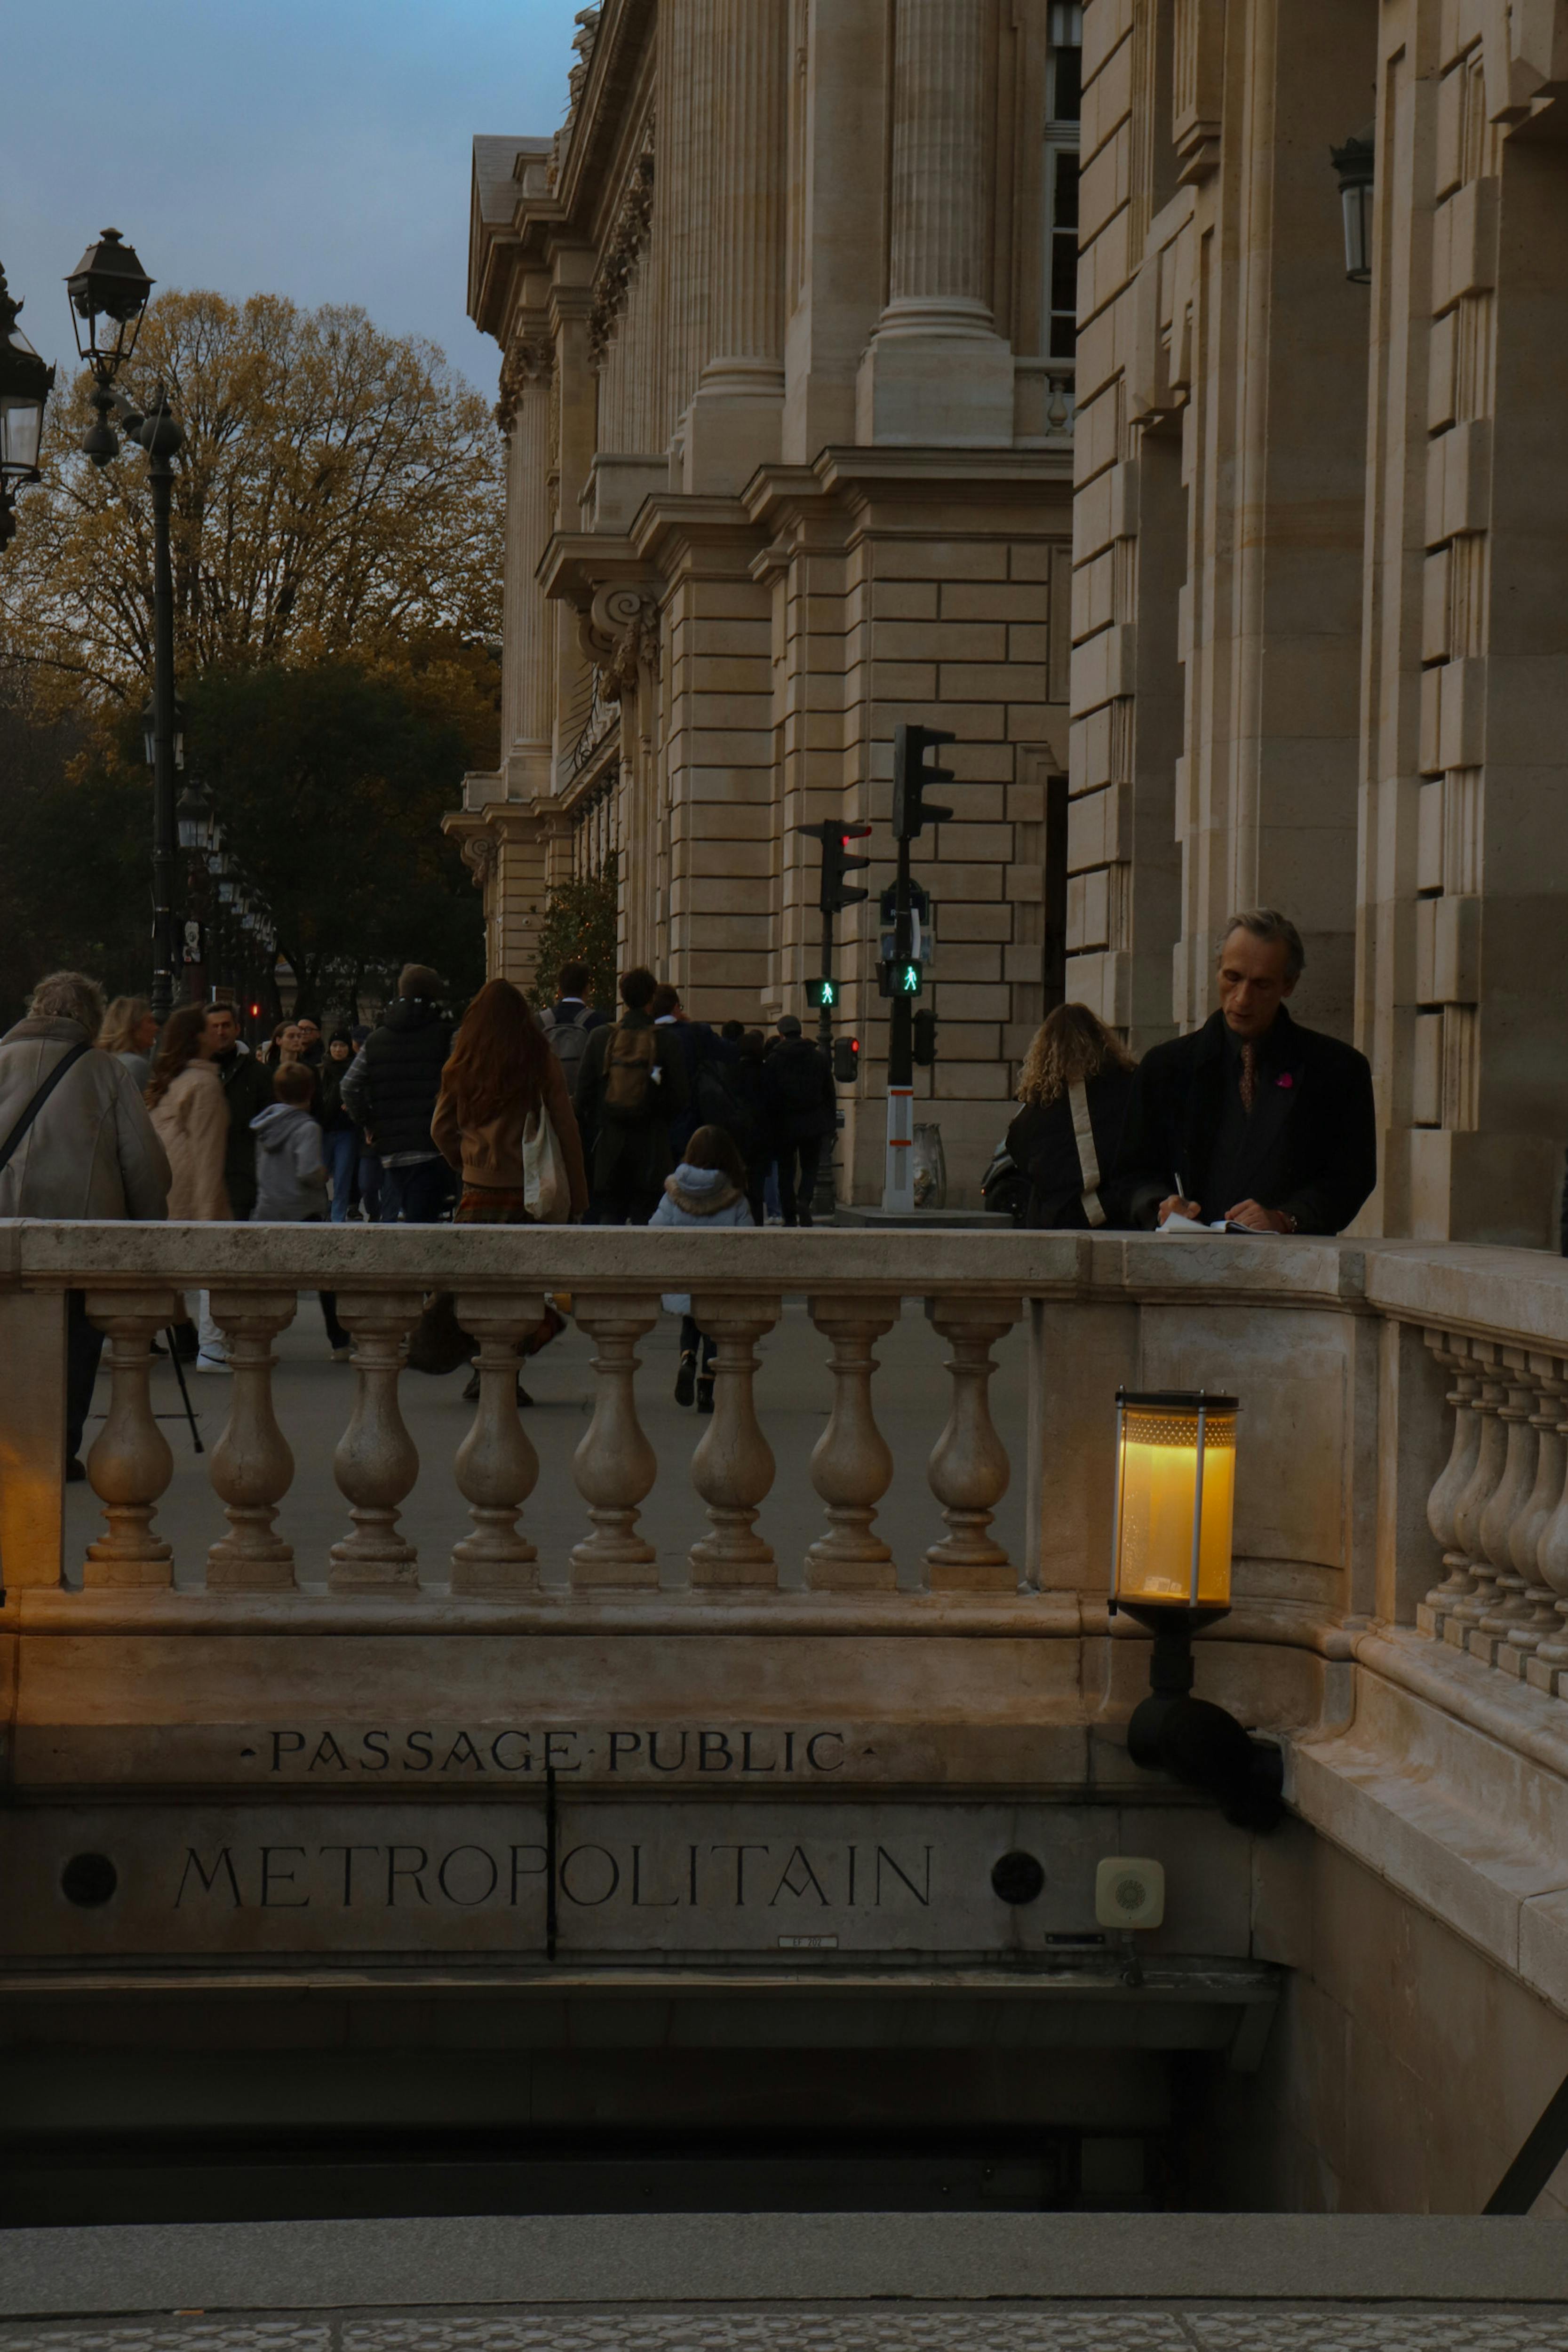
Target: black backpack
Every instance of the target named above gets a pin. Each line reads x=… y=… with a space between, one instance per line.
x=716 y=1106
x=798 y=1079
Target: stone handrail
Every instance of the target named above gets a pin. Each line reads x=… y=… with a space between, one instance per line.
x=1361 y=1503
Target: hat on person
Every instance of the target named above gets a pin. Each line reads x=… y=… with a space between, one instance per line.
x=787 y=1025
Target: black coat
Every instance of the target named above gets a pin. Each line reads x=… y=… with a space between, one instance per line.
x=797 y=1090
x=246 y=1090
x=391 y=1091
x=1311 y=1142
x=1041 y=1143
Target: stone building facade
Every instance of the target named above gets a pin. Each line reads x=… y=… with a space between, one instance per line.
x=1321 y=605
x=785 y=313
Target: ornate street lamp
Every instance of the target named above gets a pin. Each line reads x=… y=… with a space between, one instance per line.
x=1171 y=1547
x=108 y=291
x=194 y=819
x=150 y=741
x=1355 y=163
x=24 y=387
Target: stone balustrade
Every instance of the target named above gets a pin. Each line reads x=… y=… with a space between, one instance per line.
x=1403 y=1460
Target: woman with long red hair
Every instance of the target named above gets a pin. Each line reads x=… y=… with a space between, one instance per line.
x=500 y=1072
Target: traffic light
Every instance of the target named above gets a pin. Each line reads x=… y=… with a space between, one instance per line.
x=834 y=892
x=925 y=1047
x=911 y=777
x=846 y=1059
x=904 y=977
x=822 y=995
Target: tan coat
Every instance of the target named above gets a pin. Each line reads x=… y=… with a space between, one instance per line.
x=192 y=1124
x=492 y=1154
x=91 y=1152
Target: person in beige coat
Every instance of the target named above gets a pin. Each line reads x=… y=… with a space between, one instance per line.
x=90 y=1151
x=191 y=1117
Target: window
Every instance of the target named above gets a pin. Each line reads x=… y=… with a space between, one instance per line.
x=1064 y=111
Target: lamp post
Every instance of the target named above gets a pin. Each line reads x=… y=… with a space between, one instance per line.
x=24 y=387
x=108 y=291
x=1171 y=1562
x=1355 y=163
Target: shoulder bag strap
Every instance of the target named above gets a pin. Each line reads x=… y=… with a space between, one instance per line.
x=14 y=1140
x=1087 y=1159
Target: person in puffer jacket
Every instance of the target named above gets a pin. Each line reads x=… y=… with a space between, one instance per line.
x=291 y=1175
x=709 y=1188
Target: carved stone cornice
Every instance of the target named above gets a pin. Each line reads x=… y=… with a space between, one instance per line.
x=531 y=358
x=623 y=250
x=619 y=634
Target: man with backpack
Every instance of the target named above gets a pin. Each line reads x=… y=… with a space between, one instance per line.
x=569 y=1020
x=802 y=1110
x=630 y=1084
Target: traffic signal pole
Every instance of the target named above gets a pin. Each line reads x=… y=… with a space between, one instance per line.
x=911 y=811
x=898 y=1178
x=834 y=891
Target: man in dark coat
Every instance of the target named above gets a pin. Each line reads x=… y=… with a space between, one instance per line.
x=1252 y=1119
x=246 y=1091
x=390 y=1090
x=803 y=1112
x=632 y=1082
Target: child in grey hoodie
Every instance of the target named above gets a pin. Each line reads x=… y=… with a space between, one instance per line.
x=709 y=1189
x=290 y=1172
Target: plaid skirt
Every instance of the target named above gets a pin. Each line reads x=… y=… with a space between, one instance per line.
x=491 y=1204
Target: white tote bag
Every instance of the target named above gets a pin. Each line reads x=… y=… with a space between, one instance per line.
x=546 y=1187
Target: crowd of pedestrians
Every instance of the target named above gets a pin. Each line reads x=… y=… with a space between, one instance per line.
x=647 y=1117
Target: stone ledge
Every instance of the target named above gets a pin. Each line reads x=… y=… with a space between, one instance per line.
x=791 y=2259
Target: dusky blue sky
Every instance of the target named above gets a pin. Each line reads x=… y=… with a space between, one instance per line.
x=313 y=148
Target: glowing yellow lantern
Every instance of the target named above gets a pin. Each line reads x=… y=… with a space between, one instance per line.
x=1175 y=1495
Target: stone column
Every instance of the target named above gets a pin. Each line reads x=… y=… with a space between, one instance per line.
x=736 y=421
x=528 y=653
x=936 y=370
x=682 y=191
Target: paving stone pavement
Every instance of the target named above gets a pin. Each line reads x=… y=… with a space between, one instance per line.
x=1089 y=2327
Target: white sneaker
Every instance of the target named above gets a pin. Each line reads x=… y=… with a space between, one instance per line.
x=206 y=1363
x=338 y=1355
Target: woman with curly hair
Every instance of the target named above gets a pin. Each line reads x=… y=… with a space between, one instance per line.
x=1074 y=1087
x=500 y=1072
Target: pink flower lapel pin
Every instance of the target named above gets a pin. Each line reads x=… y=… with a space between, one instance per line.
x=1285 y=1079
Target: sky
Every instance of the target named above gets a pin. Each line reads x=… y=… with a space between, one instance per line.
x=313 y=148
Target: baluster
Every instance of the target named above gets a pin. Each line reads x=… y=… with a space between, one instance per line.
x=497 y=1468
x=615 y=1465
x=131 y=1464
x=733 y=1468
x=1505 y=1510
x=1479 y=1591
x=375 y=1464
x=1452 y=1481
x=1526 y=1637
x=852 y=1462
x=252 y=1465
x=969 y=1470
x=1547 y=1668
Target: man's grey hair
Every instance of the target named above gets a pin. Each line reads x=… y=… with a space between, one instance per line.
x=69 y=996
x=1268 y=923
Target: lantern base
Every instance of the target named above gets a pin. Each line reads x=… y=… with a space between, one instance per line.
x=1192 y=1738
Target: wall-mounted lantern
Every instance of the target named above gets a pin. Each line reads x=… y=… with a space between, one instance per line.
x=1170 y=1545
x=1355 y=163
